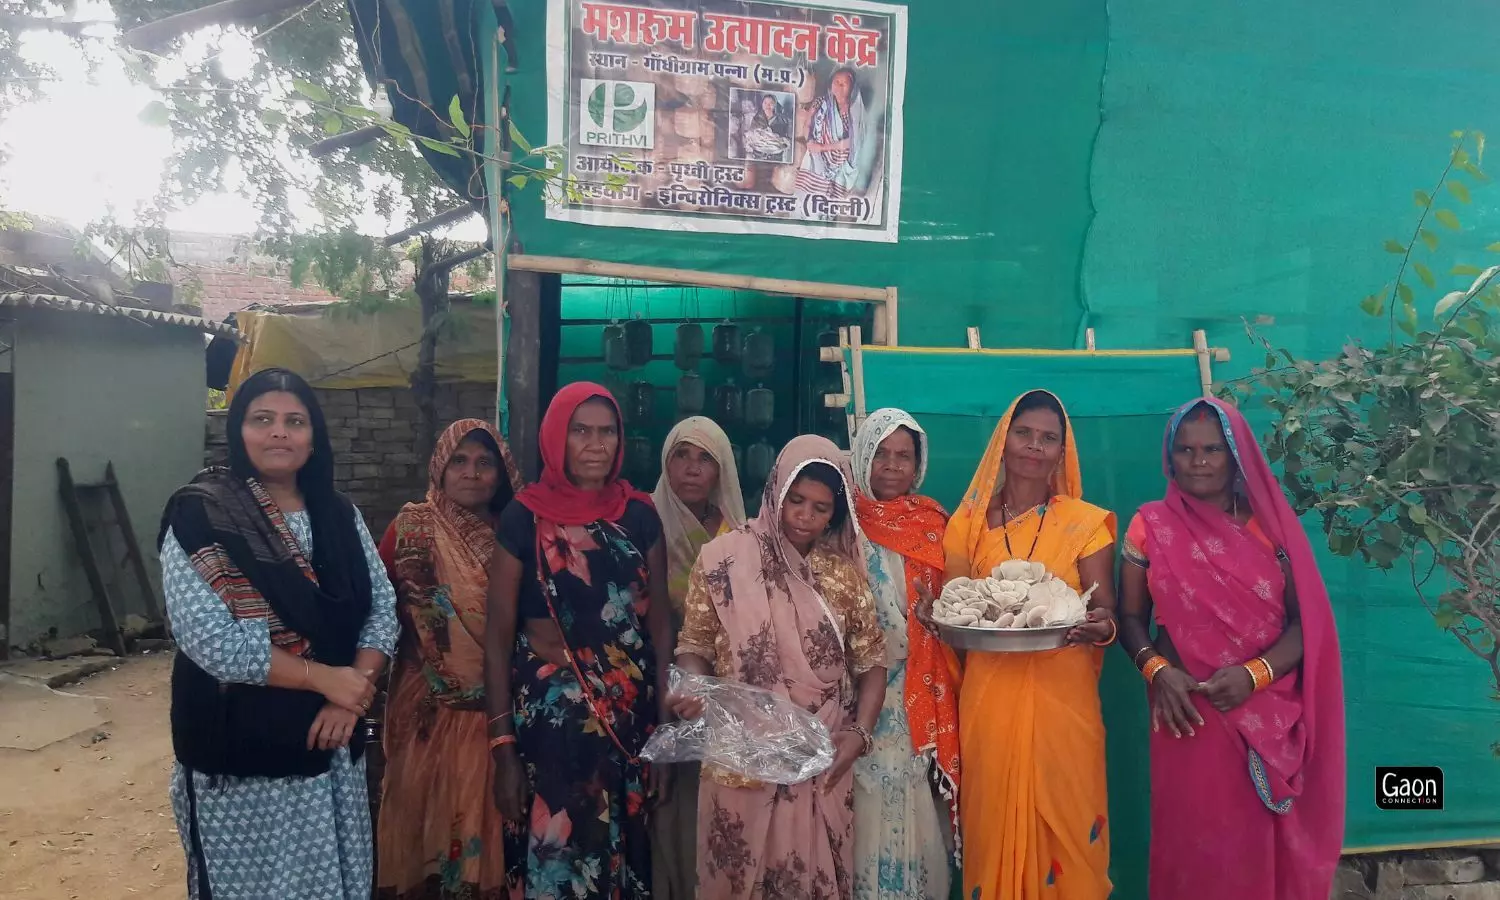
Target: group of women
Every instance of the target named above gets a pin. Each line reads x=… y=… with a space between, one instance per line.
x=537 y=625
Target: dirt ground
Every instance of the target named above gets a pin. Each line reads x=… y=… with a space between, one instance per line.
x=88 y=817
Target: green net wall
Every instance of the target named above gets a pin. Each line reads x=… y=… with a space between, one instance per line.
x=1119 y=407
x=1412 y=697
x=1250 y=164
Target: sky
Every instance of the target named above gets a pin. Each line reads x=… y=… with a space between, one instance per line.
x=81 y=151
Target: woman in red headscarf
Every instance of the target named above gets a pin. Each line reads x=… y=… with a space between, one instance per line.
x=577 y=616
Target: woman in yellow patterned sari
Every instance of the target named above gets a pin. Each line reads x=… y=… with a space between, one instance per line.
x=1031 y=736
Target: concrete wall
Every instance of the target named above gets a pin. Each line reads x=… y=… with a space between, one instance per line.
x=374 y=437
x=96 y=391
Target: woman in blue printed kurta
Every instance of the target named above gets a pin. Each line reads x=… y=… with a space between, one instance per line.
x=283 y=616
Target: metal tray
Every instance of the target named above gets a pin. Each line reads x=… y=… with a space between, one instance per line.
x=1004 y=640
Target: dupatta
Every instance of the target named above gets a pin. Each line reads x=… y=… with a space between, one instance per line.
x=1219 y=591
x=783 y=636
x=683 y=534
x=439 y=558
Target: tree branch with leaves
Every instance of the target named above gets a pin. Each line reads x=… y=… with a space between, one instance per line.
x=1396 y=447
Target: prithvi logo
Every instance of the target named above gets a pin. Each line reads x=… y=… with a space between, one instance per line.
x=1408 y=787
x=617 y=114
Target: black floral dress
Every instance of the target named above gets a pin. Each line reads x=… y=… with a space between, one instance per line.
x=580 y=726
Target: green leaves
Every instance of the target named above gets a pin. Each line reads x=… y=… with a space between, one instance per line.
x=1422 y=198
x=1373 y=305
x=1425 y=274
x=1449 y=301
x=519 y=139
x=1428 y=238
x=438 y=146
x=311 y=91
x=456 y=116
x=1459 y=190
x=1447 y=219
x=1396 y=247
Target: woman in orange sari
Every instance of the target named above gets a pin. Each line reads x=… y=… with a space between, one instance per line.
x=439 y=833
x=1031 y=736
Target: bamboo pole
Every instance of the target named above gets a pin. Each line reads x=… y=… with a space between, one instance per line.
x=892 y=323
x=857 y=354
x=1205 y=362
x=812 y=290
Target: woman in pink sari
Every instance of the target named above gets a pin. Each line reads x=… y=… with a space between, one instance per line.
x=783 y=604
x=1247 y=708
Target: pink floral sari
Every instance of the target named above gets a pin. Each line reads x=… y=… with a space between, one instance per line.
x=787 y=625
x=1252 y=807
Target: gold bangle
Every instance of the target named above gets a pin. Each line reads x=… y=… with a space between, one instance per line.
x=1153 y=667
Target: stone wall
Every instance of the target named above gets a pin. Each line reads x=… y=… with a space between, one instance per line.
x=1420 y=875
x=373 y=431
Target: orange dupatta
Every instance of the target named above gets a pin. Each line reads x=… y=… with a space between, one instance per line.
x=913 y=526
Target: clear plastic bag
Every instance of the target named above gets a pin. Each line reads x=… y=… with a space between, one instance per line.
x=746 y=730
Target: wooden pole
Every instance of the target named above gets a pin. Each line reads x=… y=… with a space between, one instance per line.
x=523 y=375
x=892 y=323
x=153 y=34
x=857 y=354
x=113 y=637
x=1205 y=362
x=812 y=290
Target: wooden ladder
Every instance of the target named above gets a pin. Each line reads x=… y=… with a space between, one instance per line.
x=73 y=495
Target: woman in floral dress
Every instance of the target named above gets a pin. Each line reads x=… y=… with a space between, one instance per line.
x=782 y=604
x=578 y=612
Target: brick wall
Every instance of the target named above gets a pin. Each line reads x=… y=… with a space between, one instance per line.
x=373 y=431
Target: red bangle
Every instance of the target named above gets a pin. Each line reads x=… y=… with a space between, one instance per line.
x=1114 y=632
x=502 y=740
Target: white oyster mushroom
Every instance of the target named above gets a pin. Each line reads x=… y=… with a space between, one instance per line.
x=1015 y=570
x=1066 y=609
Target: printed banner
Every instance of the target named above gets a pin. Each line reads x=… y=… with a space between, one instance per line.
x=732 y=116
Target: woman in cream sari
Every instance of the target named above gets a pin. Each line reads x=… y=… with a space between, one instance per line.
x=698 y=499
x=901 y=824
x=1033 y=807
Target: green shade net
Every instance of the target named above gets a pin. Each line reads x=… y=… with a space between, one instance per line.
x=1412 y=696
x=1119 y=406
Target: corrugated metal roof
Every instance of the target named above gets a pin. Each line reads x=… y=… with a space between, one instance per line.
x=147 y=316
